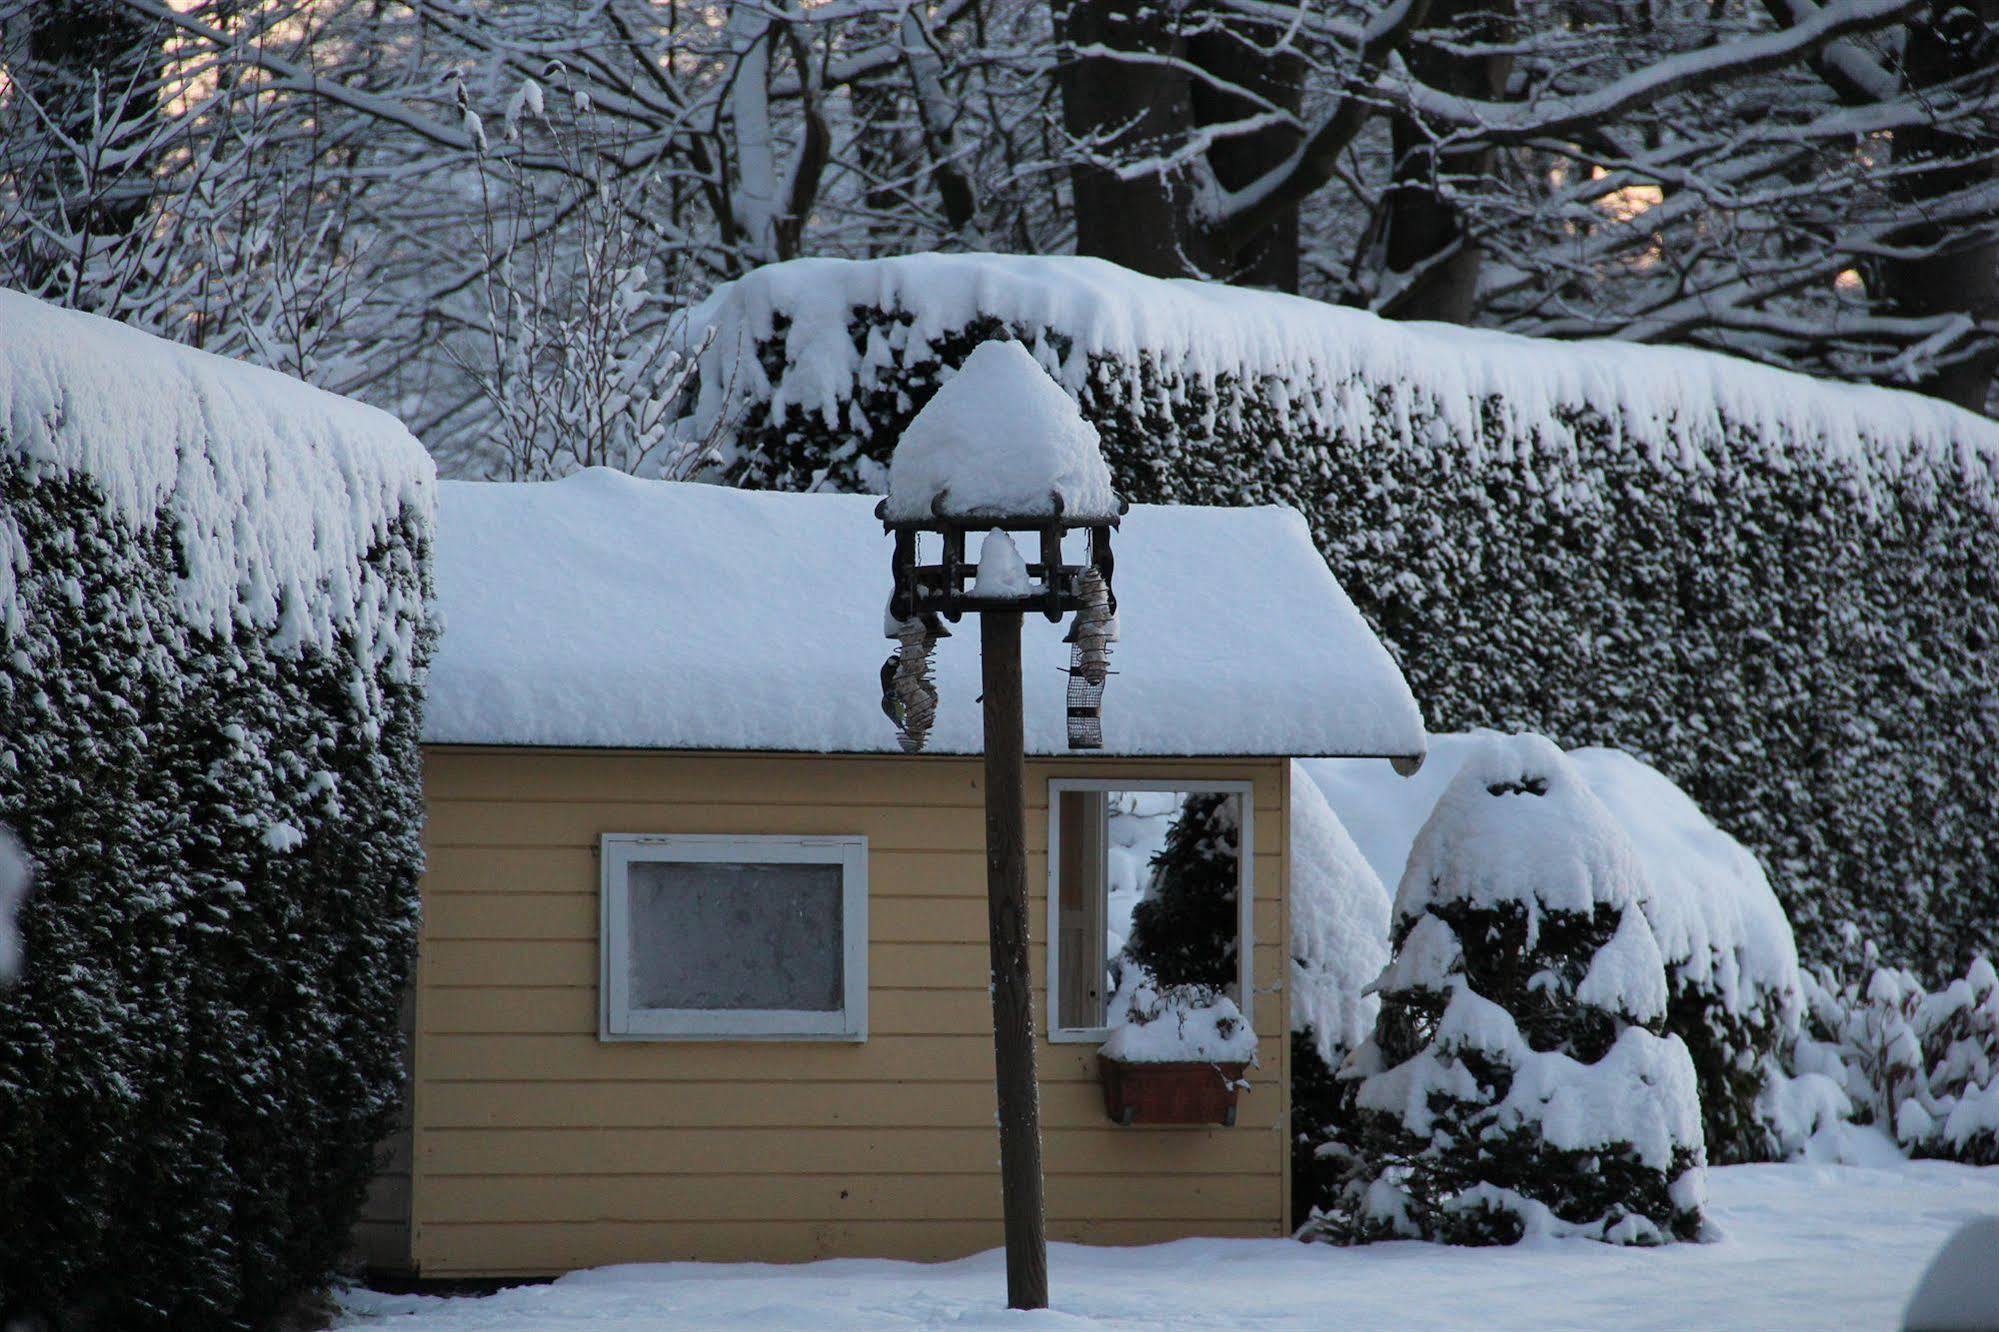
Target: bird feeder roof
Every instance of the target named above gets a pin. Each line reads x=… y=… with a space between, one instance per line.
x=602 y=610
x=999 y=439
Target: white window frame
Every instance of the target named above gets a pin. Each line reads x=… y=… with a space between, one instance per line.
x=618 y=1021
x=1245 y=890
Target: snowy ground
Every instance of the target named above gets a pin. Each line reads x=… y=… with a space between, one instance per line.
x=1802 y=1247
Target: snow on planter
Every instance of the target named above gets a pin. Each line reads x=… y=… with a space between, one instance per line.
x=1517 y=1081
x=1155 y=1024
x=1574 y=536
x=213 y=630
x=681 y=616
x=999 y=440
x=1731 y=963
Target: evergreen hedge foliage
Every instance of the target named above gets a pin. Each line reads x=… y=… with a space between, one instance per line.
x=202 y=1050
x=1803 y=641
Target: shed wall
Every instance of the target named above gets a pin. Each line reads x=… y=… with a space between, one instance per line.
x=538 y=1148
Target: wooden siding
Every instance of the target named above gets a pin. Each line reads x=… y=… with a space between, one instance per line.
x=538 y=1148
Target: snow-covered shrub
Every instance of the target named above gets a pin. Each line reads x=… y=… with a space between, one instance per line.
x=1776 y=589
x=1922 y=1064
x=1184 y=926
x=1517 y=1081
x=1339 y=944
x=1153 y=1023
x=212 y=640
x=1731 y=965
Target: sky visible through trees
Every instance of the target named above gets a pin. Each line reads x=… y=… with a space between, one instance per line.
x=481 y=215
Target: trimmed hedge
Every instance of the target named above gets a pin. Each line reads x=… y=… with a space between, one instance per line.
x=1784 y=594
x=223 y=809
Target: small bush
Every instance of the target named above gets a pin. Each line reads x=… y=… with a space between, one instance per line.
x=1923 y=1064
x=1517 y=1080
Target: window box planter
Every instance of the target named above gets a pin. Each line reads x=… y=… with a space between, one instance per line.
x=1180 y=1092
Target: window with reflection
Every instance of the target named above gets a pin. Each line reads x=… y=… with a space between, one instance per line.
x=1144 y=876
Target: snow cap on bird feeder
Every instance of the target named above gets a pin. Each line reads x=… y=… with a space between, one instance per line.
x=999 y=449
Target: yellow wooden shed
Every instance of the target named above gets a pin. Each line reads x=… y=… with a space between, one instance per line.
x=703 y=970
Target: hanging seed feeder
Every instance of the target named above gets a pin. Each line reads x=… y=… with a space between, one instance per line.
x=926 y=594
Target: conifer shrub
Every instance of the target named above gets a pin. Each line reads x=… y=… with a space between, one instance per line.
x=212 y=638
x=1518 y=1081
x=1778 y=591
x=1339 y=944
x=1732 y=976
x=1923 y=1064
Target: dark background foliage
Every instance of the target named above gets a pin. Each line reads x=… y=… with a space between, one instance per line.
x=202 y=1051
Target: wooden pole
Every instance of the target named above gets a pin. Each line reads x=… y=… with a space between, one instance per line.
x=1013 y=1000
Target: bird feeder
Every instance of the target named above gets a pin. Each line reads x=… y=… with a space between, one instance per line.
x=1000 y=453
x=1001 y=450
x=945 y=587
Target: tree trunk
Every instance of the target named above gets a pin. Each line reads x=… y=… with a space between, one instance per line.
x=1123 y=112
x=1431 y=264
x=1013 y=999
x=1956 y=275
x=1237 y=54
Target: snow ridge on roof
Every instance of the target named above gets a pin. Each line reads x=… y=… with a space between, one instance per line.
x=603 y=610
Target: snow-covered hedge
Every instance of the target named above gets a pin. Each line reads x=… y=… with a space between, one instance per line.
x=1731 y=964
x=212 y=642
x=1780 y=591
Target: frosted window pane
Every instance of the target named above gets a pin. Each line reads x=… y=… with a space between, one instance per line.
x=713 y=936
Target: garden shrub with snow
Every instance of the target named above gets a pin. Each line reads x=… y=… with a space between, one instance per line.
x=1733 y=986
x=1518 y=1081
x=1339 y=944
x=212 y=641
x=1922 y=1064
x=1779 y=590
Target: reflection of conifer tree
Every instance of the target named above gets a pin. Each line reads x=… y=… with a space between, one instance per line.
x=1184 y=929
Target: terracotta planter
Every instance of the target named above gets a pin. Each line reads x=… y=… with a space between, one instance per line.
x=1177 y=1093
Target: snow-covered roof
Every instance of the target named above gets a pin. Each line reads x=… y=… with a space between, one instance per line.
x=999 y=439
x=603 y=610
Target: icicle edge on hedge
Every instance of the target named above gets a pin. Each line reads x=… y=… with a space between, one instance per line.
x=273 y=515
